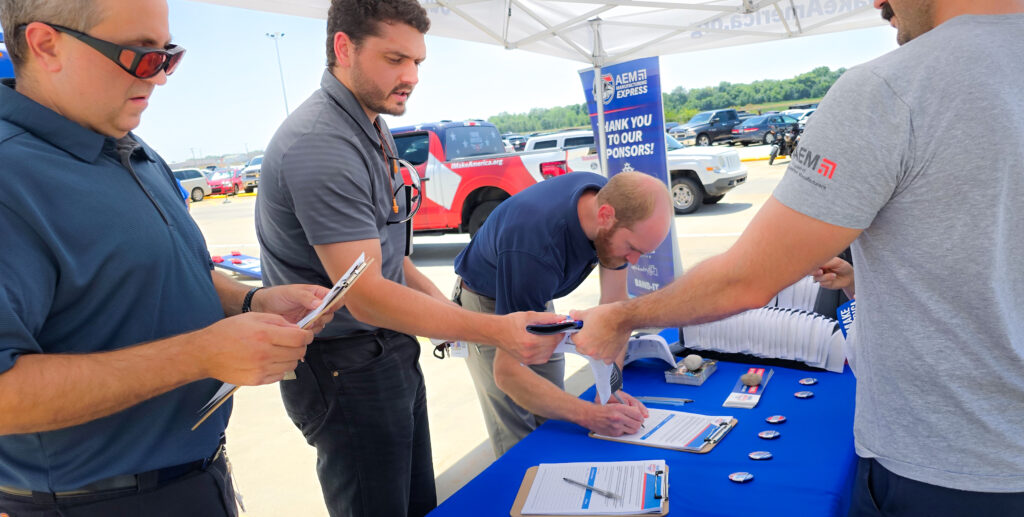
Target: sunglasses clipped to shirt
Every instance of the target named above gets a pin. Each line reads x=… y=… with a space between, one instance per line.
x=141 y=62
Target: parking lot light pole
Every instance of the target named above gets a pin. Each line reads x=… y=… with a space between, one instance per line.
x=276 y=36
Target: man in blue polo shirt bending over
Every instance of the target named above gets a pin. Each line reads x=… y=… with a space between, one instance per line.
x=112 y=322
x=539 y=245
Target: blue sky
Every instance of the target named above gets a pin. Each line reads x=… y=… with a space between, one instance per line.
x=226 y=96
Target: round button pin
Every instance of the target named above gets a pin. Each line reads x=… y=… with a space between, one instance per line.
x=769 y=435
x=803 y=394
x=775 y=419
x=741 y=477
x=808 y=381
x=760 y=455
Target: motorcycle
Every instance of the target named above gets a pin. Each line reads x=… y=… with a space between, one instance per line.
x=785 y=145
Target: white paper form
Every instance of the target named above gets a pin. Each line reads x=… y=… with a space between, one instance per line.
x=335 y=291
x=602 y=372
x=675 y=430
x=634 y=482
x=226 y=389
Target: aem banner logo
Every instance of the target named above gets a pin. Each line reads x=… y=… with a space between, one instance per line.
x=828 y=168
x=811 y=160
x=607 y=89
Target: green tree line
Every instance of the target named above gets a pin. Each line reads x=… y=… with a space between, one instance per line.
x=681 y=104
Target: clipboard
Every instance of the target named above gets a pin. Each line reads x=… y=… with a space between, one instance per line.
x=704 y=449
x=332 y=302
x=524 y=491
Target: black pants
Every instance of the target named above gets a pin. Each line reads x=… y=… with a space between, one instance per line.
x=205 y=493
x=360 y=400
x=878 y=492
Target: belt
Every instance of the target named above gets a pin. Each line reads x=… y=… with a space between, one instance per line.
x=465 y=287
x=152 y=478
x=380 y=332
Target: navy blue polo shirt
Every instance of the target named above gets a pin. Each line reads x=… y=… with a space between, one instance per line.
x=532 y=248
x=94 y=260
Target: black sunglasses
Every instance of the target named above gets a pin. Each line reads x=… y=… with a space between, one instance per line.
x=140 y=62
x=415 y=192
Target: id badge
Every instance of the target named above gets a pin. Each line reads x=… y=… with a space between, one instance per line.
x=459 y=349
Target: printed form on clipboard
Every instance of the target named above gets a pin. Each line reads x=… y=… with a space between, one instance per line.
x=676 y=430
x=589 y=488
x=330 y=303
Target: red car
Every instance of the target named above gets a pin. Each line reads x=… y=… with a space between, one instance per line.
x=225 y=181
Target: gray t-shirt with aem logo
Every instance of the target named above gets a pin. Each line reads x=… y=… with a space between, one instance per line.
x=923 y=149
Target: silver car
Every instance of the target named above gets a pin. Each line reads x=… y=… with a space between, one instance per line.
x=194 y=182
x=251 y=173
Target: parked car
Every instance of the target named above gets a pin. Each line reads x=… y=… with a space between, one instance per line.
x=698 y=175
x=763 y=129
x=194 y=182
x=701 y=175
x=561 y=140
x=518 y=142
x=802 y=119
x=225 y=181
x=251 y=173
x=465 y=173
x=707 y=127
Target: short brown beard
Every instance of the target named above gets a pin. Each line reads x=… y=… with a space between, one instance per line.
x=602 y=242
x=373 y=97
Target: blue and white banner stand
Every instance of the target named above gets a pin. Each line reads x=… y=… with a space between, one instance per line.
x=6 y=68
x=634 y=132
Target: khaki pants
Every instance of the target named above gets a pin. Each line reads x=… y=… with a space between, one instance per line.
x=506 y=421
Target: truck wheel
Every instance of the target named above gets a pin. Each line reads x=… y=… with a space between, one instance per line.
x=479 y=215
x=248 y=190
x=197 y=195
x=687 y=195
x=703 y=140
x=710 y=200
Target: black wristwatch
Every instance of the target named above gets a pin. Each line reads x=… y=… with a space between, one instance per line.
x=247 y=302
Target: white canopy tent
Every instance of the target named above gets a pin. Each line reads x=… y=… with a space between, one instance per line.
x=629 y=29
x=611 y=31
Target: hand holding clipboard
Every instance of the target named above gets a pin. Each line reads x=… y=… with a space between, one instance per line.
x=330 y=303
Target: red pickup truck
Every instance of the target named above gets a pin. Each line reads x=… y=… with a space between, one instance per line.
x=465 y=172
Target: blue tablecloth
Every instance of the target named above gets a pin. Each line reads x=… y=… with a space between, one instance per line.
x=811 y=473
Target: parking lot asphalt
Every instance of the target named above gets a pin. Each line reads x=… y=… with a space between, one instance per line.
x=274 y=467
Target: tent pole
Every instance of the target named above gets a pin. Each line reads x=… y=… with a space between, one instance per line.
x=602 y=144
x=598 y=58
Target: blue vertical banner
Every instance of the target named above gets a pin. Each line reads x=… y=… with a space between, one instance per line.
x=6 y=68
x=634 y=122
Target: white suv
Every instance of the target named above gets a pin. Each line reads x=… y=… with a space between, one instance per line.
x=563 y=140
x=699 y=175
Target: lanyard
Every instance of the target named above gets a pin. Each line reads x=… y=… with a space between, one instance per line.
x=389 y=163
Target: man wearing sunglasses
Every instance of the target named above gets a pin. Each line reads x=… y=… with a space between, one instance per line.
x=112 y=320
x=327 y=195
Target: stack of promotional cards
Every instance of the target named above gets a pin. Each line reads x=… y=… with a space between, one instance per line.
x=801 y=296
x=771 y=332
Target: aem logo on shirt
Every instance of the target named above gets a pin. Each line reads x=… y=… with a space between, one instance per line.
x=811 y=160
